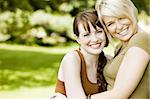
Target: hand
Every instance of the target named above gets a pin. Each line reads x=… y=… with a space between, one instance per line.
x=58 y=96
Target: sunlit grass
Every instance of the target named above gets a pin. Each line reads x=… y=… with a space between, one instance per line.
x=54 y=50
x=30 y=72
x=29 y=66
x=28 y=93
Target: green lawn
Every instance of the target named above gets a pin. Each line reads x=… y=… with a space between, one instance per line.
x=31 y=71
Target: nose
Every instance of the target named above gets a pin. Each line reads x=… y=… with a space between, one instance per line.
x=119 y=26
x=94 y=38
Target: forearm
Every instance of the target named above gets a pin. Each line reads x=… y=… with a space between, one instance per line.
x=77 y=98
x=113 y=94
x=103 y=95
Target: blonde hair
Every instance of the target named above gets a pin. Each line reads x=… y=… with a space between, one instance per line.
x=117 y=8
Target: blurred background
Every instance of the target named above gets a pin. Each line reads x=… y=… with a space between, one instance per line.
x=34 y=36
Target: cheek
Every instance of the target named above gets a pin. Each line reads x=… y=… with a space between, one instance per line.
x=102 y=37
x=127 y=21
x=111 y=29
x=85 y=41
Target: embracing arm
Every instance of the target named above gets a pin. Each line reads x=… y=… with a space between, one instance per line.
x=71 y=67
x=129 y=75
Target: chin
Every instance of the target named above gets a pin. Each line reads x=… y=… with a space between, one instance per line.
x=96 y=51
x=126 y=38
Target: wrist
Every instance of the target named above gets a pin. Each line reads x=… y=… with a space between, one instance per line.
x=89 y=96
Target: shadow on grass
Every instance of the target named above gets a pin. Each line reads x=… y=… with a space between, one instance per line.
x=29 y=69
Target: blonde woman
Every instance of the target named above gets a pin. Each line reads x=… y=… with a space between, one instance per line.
x=127 y=74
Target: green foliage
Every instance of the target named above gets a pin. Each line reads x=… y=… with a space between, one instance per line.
x=12 y=5
x=54 y=26
x=43 y=22
x=14 y=24
x=142 y=5
x=54 y=22
x=60 y=6
x=39 y=27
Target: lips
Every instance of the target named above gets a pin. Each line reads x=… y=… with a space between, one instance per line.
x=95 y=46
x=123 y=33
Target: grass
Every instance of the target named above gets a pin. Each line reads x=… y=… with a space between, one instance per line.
x=30 y=72
x=28 y=93
x=27 y=71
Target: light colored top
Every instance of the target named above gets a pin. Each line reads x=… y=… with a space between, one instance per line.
x=142 y=91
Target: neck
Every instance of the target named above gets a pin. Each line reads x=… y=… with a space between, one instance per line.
x=124 y=44
x=90 y=59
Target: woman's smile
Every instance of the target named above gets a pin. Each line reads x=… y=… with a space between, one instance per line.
x=95 y=45
x=123 y=33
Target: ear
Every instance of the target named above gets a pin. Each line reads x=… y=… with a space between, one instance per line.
x=77 y=39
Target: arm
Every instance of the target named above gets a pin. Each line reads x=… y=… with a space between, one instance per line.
x=71 y=67
x=129 y=75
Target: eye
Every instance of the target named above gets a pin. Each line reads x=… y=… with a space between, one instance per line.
x=86 y=34
x=99 y=31
x=121 y=18
x=109 y=24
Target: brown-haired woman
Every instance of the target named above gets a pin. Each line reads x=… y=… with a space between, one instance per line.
x=81 y=71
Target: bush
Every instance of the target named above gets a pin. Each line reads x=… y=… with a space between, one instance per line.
x=14 y=24
x=38 y=27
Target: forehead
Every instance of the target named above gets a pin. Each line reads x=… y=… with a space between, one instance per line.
x=81 y=28
x=87 y=26
x=109 y=18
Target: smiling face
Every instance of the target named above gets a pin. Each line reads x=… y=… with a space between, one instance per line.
x=120 y=28
x=92 y=40
x=119 y=16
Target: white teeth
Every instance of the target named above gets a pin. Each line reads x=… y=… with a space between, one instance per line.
x=123 y=33
x=95 y=46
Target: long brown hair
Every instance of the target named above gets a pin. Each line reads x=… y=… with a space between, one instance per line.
x=91 y=16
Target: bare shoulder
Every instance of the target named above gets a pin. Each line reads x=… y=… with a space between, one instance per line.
x=137 y=51
x=71 y=61
x=71 y=56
